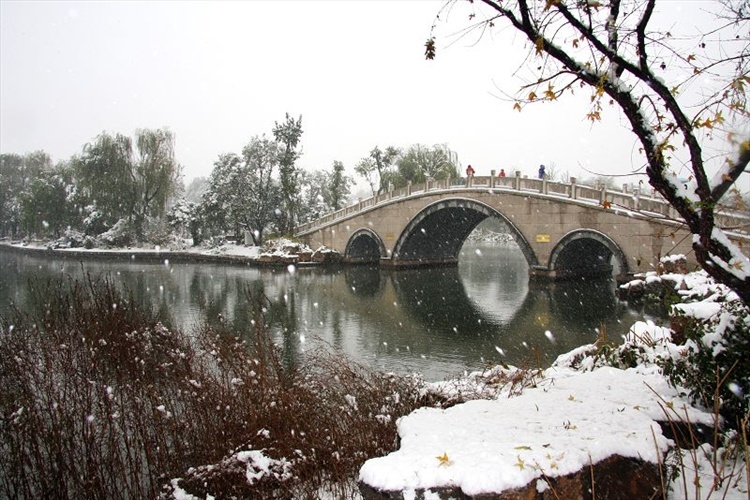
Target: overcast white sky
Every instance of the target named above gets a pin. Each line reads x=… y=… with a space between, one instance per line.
x=218 y=73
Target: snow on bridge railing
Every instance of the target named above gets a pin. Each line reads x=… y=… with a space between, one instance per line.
x=627 y=198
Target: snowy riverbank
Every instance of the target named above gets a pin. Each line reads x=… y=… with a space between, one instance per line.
x=279 y=252
x=532 y=427
x=507 y=428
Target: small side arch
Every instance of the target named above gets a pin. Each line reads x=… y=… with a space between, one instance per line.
x=584 y=252
x=364 y=246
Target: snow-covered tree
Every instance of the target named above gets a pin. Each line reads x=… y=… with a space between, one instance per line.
x=322 y=191
x=682 y=95
x=47 y=206
x=156 y=175
x=377 y=167
x=126 y=183
x=288 y=135
x=420 y=162
x=312 y=195
x=338 y=187
x=183 y=218
x=17 y=173
x=242 y=192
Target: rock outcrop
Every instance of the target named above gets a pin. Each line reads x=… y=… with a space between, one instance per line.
x=613 y=478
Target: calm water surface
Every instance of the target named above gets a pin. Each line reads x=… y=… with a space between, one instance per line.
x=439 y=322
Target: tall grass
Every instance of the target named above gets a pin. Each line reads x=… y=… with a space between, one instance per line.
x=101 y=400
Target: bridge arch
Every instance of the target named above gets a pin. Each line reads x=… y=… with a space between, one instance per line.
x=364 y=246
x=438 y=231
x=584 y=252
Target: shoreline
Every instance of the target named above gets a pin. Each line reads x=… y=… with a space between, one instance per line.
x=153 y=256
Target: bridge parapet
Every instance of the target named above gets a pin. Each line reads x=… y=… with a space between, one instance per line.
x=650 y=204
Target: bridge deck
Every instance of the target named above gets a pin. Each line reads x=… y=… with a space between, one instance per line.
x=649 y=203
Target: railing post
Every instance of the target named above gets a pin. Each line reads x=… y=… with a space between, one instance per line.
x=603 y=195
x=359 y=204
x=517 y=183
x=543 y=189
x=573 y=186
x=636 y=199
x=408 y=188
x=492 y=179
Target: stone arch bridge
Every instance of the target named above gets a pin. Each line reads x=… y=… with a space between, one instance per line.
x=563 y=229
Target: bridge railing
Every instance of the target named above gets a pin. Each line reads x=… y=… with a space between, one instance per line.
x=643 y=201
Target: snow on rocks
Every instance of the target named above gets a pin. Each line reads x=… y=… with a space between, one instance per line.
x=284 y=251
x=568 y=421
x=253 y=466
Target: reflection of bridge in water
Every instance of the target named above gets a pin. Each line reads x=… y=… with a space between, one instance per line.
x=562 y=229
x=437 y=300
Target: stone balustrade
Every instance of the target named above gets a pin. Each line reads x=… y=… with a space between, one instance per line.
x=645 y=201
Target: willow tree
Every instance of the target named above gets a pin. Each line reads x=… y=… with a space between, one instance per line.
x=126 y=182
x=680 y=95
x=418 y=163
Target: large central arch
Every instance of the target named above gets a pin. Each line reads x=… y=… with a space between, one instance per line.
x=435 y=235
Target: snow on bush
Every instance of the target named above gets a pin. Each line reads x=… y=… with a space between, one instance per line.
x=119 y=235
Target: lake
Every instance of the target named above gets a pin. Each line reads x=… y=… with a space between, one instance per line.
x=439 y=322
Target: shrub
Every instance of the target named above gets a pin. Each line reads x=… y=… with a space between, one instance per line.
x=705 y=351
x=119 y=235
x=101 y=400
x=716 y=368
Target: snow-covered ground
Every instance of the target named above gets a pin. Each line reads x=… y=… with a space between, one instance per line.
x=276 y=247
x=557 y=421
x=566 y=421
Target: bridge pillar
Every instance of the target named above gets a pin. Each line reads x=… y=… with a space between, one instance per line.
x=573 y=186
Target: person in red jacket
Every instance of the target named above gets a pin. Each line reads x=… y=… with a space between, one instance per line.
x=469 y=175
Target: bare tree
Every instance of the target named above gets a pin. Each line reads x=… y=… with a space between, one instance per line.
x=677 y=93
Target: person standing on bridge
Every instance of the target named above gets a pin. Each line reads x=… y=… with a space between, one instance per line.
x=469 y=175
x=541 y=171
x=502 y=173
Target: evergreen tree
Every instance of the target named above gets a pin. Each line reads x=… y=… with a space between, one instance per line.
x=339 y=186
x=288 y=135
